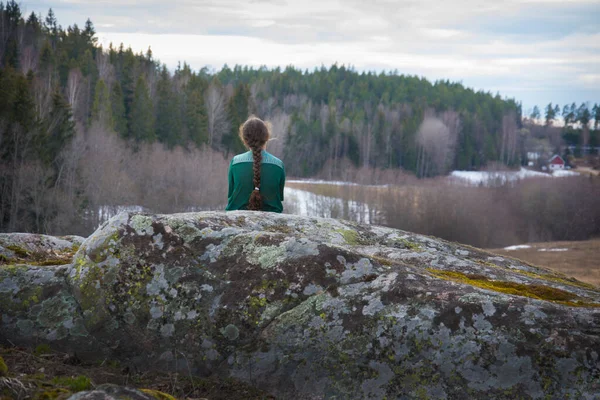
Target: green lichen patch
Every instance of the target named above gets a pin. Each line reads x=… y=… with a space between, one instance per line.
x=279 y=228
x=157 y=394
x=548 y=276
x=534 y=291
x=407 y=244
x=42 y=349
x=19 y=251
x=3 y=367
x=350 y=236
x=74 y=384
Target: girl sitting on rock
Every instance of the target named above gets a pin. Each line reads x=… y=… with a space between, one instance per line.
x=256 y=178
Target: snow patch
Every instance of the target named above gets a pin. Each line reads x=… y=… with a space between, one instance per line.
x=333 y=183
x=557 y=249
x=561 y=172
x=498 y=177
x=517 y=247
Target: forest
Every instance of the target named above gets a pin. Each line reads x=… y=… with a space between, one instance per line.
x=85 y=128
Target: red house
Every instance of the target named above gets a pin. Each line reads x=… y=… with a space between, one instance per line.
x=556 y=162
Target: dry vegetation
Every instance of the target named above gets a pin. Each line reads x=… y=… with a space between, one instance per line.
x=99 y=173
x=581 y=259
x=46 y=374
x=531 y=210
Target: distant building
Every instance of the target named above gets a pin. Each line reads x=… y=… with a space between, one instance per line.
x=556 y=162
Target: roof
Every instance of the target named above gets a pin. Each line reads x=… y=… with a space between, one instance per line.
x=556 y=159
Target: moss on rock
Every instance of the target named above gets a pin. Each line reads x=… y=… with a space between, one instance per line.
x=3 y=367
x=158 y=395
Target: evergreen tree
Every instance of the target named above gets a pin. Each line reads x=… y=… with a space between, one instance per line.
x=118 y=110
x=168 y=112
x=550 y=114
x=89 y=33
x=596 y=113
x=567 y=115
x=101 y=109
x=196 y=120
x=57 y=129
x=535 y=114
x=51 y=24
x=142 y=115
x=583 y=115
x=10 y=33
x=238 y=110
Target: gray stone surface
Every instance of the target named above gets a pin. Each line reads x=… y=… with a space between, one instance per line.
x=311 y=308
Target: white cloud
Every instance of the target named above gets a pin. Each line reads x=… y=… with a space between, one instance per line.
x=489 y=44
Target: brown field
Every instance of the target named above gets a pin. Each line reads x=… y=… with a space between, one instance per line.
x=587 y=171
x=581 y=259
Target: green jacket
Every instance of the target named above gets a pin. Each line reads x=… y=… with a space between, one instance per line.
x=241 y=175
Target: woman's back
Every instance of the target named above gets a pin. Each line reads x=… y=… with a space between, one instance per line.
x=241 y=185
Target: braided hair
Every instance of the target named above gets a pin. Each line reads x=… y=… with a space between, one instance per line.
x=255 y=134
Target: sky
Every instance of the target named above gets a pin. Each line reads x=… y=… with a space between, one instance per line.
x=536 y=51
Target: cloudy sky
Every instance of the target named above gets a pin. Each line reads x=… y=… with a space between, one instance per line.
x=536 y=51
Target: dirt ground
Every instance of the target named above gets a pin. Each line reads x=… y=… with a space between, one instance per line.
x=579 y=259
x=43 y=374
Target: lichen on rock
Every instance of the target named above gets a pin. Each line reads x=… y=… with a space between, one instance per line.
x=312 y=308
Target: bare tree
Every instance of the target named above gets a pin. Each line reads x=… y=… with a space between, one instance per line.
x=105 y=68
x=217 y=114
x=280 y=124
x=75 y=83
x=28 y=59
x=433 y=139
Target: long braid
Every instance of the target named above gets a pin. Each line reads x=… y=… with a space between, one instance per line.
x=255 y=202
x=255 y=133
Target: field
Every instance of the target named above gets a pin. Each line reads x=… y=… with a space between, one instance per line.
x=580 y=259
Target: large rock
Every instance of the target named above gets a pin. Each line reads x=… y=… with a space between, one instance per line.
x=313 y=308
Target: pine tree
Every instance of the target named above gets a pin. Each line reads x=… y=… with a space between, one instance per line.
x=168 y=112
x=535 y=114
x=89 y=33
x=567 y=115
x=550 y=114
x=57 y=129
x=142 y=115
x=118 y=110
x=101 y=109
x=196 y=120
x=51 y=24
x=583 y=115
x=237 y=108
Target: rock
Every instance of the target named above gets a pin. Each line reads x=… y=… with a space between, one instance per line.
x=312 y=308
x=114 y=392
x=37 y=249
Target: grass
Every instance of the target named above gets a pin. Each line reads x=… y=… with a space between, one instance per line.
x=581 y=259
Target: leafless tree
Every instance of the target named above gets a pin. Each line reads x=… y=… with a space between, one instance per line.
x=75 y=83
x=217 y=114
x=105 y=68
x=280 y=124
x=435 y=147
x=28 y=59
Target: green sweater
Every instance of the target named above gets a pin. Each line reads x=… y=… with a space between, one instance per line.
x=241 y=175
